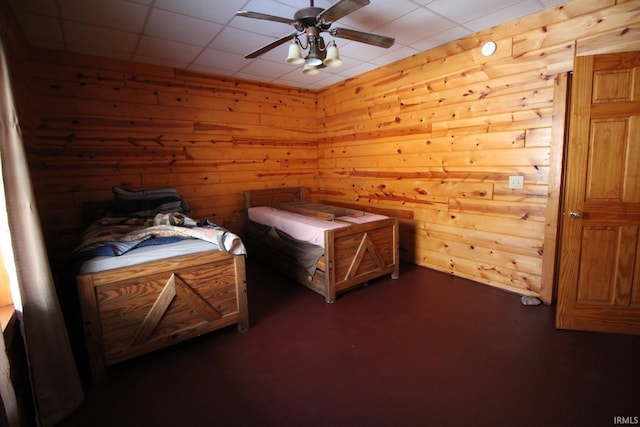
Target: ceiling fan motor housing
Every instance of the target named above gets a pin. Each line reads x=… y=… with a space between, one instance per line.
x=307 y=17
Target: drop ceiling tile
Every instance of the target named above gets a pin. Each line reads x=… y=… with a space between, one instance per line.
x=549 y=3
x=275 y=7
x=115 y=14
x=181 y=28
x=361 y=51
x=270 y=68
x=368 y=18
x=166 y=62
x=269 y=7
x=301 y=4
x=41 y=7
x=275 y=30
x=217 y=59
x=99 y=37
x=238 y=41
x=278 y=54
x=463 y=11
x=395 y=55
x=257 y=77
x=100 y=52
x=439 y=39
x=210 y=70
x=167 y=49
x=297 y=78
x=323 y=82
x=218 y=11
x=262 y=26
x=41 y=29
x=403 y=28
x=514 y=11
x=357 y=69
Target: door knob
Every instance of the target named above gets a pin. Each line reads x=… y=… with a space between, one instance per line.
x=575 y=214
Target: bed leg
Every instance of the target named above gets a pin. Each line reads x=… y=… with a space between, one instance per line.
x=241 y=293
x=395 y=275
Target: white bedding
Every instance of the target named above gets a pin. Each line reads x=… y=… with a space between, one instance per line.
x=146 y=254
x=303 y=227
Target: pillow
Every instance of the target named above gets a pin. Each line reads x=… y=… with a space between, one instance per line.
x=146 y=202
x=145 y=194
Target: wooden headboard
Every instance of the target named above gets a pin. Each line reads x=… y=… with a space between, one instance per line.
x=271 y=196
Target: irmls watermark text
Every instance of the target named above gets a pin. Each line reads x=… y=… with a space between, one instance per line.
x=628 y=421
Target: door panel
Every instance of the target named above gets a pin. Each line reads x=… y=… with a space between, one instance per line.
x=597 y=269
x=606 y=159
x=600 y=244
x=632 y=166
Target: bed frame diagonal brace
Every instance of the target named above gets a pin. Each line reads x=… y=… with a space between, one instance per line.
x=196 y=302
x=366 y=246
x=174 y=286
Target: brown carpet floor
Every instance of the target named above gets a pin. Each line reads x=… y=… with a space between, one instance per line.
x=427 y=349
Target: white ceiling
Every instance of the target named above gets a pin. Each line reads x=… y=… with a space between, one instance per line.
x=205 y=35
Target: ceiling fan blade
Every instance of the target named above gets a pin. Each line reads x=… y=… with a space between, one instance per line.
x=339 y=9
x=270 y=46
x=264 y=16
x=360 y=36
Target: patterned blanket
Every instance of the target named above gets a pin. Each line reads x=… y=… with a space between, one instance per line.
x=125 y=234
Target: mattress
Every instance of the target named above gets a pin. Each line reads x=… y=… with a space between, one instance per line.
x=146 y=254
x=302 y=227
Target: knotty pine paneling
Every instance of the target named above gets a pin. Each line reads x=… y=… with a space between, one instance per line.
x=436 y=137
x=91 y=123
x=431 y=140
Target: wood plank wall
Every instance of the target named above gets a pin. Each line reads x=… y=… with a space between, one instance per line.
x=102 y=123
x=93 y=123
x=431 y=139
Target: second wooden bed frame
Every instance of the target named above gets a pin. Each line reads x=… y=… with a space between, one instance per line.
x=354 y=254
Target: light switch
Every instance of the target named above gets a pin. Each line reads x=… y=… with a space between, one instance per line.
x=516 y=182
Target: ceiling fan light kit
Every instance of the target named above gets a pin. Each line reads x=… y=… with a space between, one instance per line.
x=310 y=22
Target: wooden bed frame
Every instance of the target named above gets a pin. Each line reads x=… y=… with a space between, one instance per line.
x=134 y=310
x=354 y=254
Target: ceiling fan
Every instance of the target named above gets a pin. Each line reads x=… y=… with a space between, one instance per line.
x=310 y=22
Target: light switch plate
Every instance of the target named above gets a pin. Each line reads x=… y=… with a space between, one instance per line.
x=516 y=182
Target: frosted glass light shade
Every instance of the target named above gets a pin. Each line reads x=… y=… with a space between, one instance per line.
x=312 y=61
x=333 y=57
x=295 y=54
x=310 y=69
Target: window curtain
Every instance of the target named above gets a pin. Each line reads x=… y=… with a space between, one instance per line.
x=9 y=411
x=57 y=389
